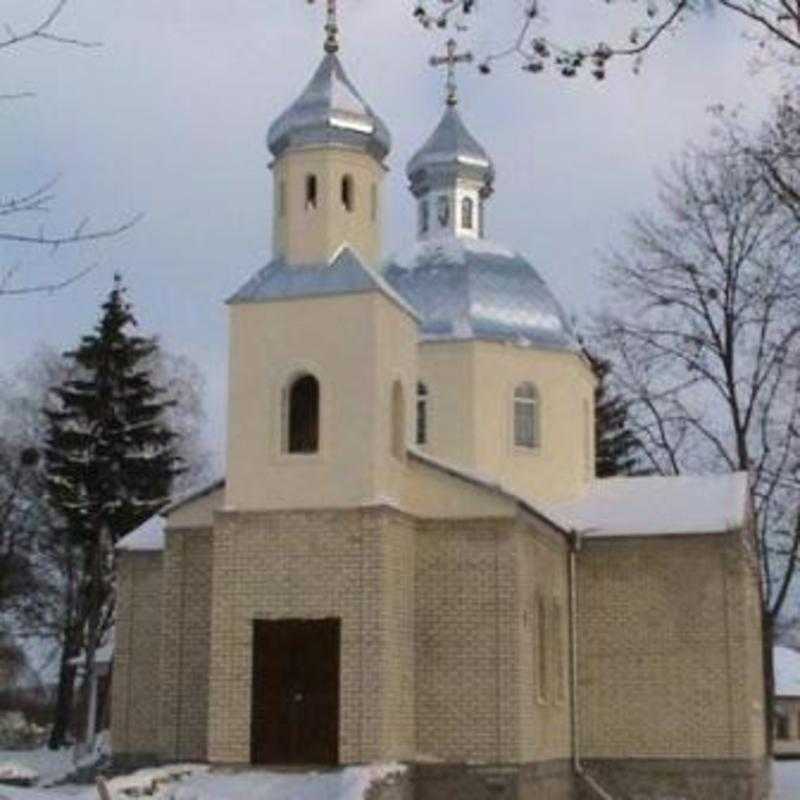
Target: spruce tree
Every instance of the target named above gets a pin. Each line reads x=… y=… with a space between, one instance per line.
x=617 y=449
x=110 y=463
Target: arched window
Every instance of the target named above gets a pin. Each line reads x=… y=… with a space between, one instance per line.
x=467 y=213
x=374 y=201
x=422 y=414
x=398 y=421
x=311 y=192
x=302 y=416
x=424 y=216
x=526 y=416
x=348 y=193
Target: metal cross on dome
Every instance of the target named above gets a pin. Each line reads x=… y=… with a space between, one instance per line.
x=452 y=59
x=331 y=27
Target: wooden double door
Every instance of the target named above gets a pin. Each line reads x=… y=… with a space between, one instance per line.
x=295 y=694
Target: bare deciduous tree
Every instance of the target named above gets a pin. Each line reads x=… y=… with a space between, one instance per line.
x=708 y=345
x=773 y=24
x=15 y=210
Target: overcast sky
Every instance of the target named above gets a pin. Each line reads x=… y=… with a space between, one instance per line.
x=169 y=116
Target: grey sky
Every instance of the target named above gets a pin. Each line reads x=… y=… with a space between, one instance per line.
x=169 y=118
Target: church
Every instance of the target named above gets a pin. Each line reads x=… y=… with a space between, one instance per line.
x=410 y=558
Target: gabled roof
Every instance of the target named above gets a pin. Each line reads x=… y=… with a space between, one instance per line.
x=345 y=274
x=658 y=505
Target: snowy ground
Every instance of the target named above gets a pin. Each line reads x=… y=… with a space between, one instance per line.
x=198 y=783
x=786 y=775
x=201 y=784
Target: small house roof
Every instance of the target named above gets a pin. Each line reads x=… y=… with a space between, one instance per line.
x=148 y=537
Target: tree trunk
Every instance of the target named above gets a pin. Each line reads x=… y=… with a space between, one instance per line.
x=768 y=634
x=64 y=697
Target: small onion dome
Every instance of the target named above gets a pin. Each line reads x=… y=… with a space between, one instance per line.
x=473 y=289
x=450 y=152
x=330 y=111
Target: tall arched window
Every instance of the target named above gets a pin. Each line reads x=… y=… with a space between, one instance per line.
x=398 y=421
x=526 y=416
x=422 y=414
x=302 y=415
x=311 y=192
x=467 y=213
x=348 y=193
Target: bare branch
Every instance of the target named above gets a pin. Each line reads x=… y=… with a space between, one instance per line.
x=43 y=31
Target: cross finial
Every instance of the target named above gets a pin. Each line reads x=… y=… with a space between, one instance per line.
x=451 y=60
x=332 y=29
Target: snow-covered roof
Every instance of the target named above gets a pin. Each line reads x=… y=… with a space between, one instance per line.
x=787 y=671
x=653 y=506
x=467 y=288
x=148 y=537
x=345 y=274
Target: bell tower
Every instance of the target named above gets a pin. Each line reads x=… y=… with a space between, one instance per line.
x=451 y=175
x=329 y=148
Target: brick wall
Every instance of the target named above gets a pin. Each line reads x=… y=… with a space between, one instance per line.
x=185 y=630
x=135 y=696
x=466 y=644
x=544 y=700
x=669 y=655
x=315 y=564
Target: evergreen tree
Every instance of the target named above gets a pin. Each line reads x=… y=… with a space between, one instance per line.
x=110 y=463
x=617 y=449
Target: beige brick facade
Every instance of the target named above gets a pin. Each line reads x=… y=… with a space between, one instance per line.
x=136 y=684
x=669 y=656
x=443 y=627
x=185 y=630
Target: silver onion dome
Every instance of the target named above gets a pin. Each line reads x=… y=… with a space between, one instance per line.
x=465 y=288
x=330 y=111
x=450 y=151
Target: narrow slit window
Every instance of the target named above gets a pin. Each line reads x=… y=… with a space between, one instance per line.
x=422 y=414
x=557 y=640
x=541 y=647
x=398 y=422
x=424 y=216
x=467 y=213
x=302 y=416
x=311 y=192
x=348 y=193
x=282 y=198
x=526 y=416
x=374 y=202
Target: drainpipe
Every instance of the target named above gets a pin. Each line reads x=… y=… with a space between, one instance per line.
x=577 y=767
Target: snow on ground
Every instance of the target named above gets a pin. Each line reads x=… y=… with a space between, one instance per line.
x=49 y=765
x=786 y=775
x=201 y=784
